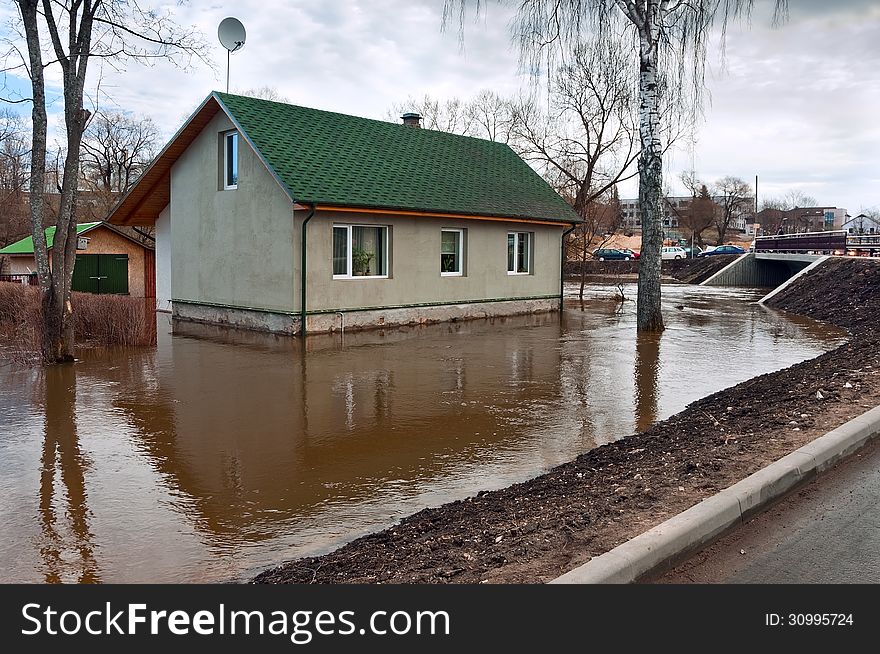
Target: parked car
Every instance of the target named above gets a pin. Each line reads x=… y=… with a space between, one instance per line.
x=673 y=252
x=632 y=253
x=610 y=254
x=724 y=249
x=693 y=251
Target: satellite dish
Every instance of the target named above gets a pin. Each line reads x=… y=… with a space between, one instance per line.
x=231 y=34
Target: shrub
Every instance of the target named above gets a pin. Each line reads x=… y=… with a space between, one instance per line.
x=20 y=316
x=97 y=319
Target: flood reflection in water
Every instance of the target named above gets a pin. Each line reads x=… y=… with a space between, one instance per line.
x=64 y=514
x=647 y=379
x=218 y=453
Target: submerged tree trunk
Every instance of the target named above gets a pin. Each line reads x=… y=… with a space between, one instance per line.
x=55 y=280
x=55 y=346
x=648 y=314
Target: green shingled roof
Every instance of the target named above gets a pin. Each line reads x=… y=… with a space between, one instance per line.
x=336 y=159
x=26 y=245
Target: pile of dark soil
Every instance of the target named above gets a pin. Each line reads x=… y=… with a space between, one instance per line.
x=535 y=531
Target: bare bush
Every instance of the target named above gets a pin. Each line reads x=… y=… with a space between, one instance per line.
x=99 y=320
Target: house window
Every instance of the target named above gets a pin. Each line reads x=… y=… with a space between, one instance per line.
x=230 y=160
x=360 y=251
x=519 y=252
x=451 y=252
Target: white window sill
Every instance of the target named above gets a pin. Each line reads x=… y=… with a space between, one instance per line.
x=230 y=188
x=518 y=273
x=451 y=274
x=356 y=277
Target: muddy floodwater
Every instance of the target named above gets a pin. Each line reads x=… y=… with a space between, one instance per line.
x=217 y=454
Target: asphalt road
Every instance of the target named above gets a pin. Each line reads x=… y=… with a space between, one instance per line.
x=826 y=532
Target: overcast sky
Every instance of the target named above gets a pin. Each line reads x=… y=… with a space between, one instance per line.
x=796 y=105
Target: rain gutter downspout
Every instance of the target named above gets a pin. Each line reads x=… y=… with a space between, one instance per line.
x=562 y=266
x=302 y=274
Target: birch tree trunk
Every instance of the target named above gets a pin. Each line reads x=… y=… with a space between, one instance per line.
x=648 y=315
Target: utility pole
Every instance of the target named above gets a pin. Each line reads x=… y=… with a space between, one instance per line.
x=756 y=206
x=756 y=194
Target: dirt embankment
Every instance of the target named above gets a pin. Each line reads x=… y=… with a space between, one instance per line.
x=688 y=271
x=534 y=531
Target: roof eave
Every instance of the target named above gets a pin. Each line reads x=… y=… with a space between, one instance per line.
x=124 y=211
x=151 y=171
x=329 y=206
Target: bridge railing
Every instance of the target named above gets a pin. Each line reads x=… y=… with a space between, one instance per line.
x=863 y=245
x=814 y=242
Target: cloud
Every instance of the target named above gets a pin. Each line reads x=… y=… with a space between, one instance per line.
x=793 y=105
x=352 y=56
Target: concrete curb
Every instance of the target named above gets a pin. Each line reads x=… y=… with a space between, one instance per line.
x=703 y=523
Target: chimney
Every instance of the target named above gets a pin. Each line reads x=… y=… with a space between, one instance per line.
x=412 y=120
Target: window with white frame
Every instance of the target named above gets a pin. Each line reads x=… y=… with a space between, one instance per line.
x=452 y=252
x=519 y=253
x=230 y=160
x=360 y=251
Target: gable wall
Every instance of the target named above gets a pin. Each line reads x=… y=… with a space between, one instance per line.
x=235 y=247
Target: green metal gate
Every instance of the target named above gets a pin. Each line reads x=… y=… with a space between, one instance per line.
x=101 y=273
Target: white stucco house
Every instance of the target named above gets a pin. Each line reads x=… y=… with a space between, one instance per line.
x=282 y=218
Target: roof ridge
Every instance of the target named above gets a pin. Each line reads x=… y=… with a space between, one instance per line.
x=423 y=130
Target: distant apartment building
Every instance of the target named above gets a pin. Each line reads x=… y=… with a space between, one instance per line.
x=631 y=213
x=673 y=208
x=814 y=219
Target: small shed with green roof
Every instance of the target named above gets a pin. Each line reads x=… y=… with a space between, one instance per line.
x=279 y=217
x=108 y=261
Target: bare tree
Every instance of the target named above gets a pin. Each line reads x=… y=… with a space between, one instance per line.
x=14 y=171
x=79 y=31
x=733 y=197
x=699 y=214
x=670 y=38
x=116 y=149
x=773 y=203
x=265 y=93
x=489 y=116
x=443 y=115
x=601 y=219
x=797 y=199
x=585 y=142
